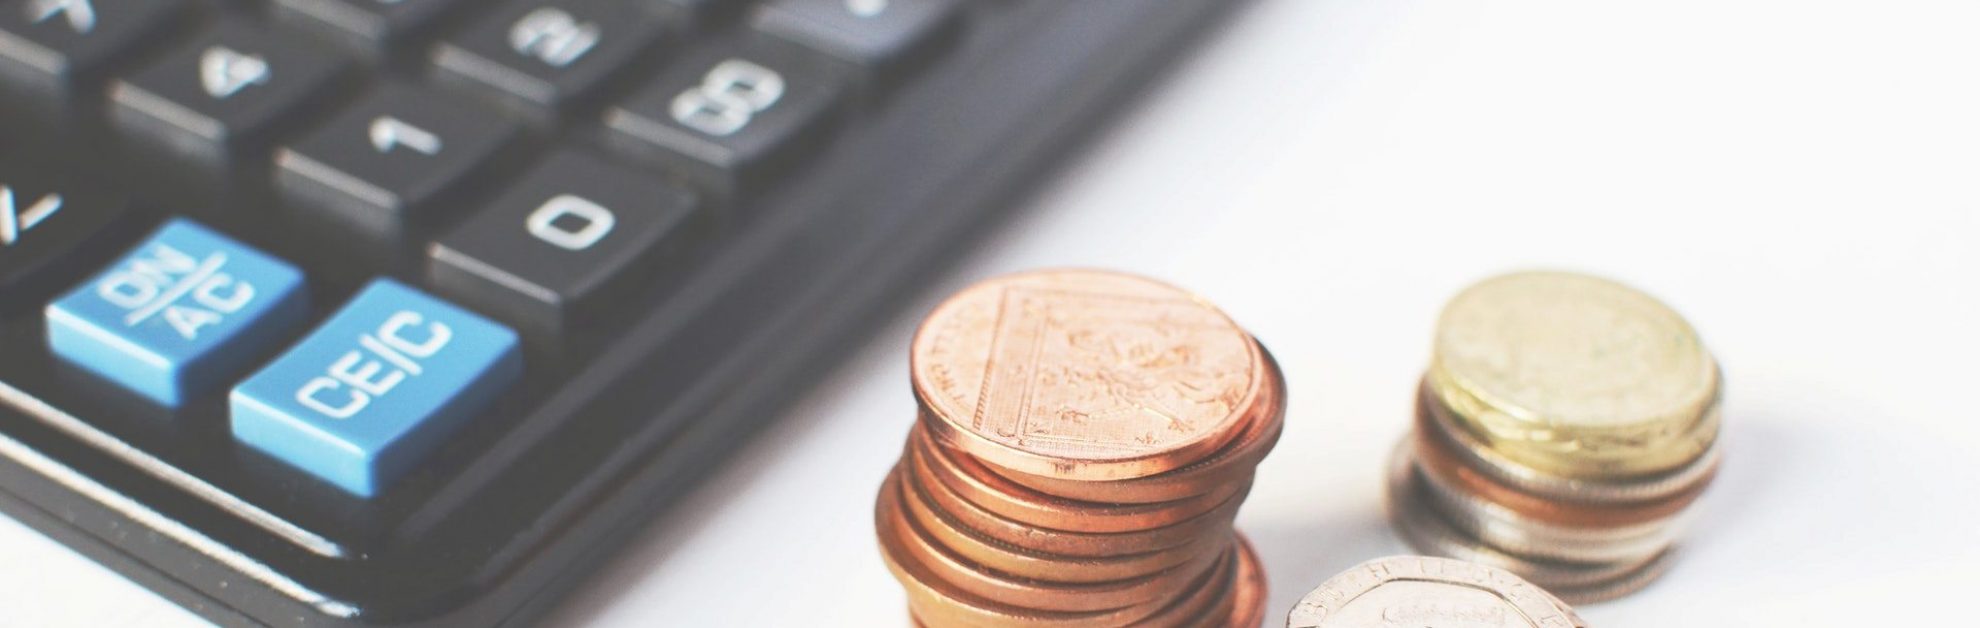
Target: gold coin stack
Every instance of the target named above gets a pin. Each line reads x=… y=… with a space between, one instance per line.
x=1565 y=427
x=1085 y=440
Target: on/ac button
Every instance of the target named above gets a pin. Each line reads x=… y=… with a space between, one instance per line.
x=179 y=315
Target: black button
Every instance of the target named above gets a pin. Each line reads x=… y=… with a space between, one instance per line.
x=546 y=56
x=226 y=93
x=43 y=221
x=728 y=115
x=56 y=47
x=553 y=250
x=376 y=27
x=879 y=37
x=386 y=162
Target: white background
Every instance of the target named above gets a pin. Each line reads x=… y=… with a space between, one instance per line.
x=1801 y=178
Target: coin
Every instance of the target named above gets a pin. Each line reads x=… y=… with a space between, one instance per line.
x=1084 y=374
x=1574 y=375
x=1429 y=592
x=1006 y=558
x=937 y=498
x=1260 y=433
x=1423 y=529
x=976 y=483
x=1442 y=466
x=1435 y=421
x=1249 y=593
x=1146 y=593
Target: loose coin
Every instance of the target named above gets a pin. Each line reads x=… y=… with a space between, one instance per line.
x=1574 y=375
x=1429 y=592
x=1083 y=374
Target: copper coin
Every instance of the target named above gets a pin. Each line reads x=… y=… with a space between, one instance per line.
x=1028 y=563
x=1084 y=374
x=1236 y=459
x=936 y=601
x=969 y=478
x=1436 y=460
x=1018 y=591
x=929 y=494
x=1202 y=599
x=1248 y=595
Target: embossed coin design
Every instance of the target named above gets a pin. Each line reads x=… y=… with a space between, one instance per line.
x=1083 y=374
x=1574 y=374
x=1425 y=592
x=1082 y=445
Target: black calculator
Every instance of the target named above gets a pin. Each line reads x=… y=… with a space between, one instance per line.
x=408 y=312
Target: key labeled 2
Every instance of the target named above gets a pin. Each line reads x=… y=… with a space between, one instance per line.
x=179 y=314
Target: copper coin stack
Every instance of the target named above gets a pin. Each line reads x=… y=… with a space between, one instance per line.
x=1085 y=439
x=1565 y=428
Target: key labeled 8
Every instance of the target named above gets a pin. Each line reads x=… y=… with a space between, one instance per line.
x=729 y=96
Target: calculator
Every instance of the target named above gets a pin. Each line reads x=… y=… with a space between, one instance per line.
x=410 y=312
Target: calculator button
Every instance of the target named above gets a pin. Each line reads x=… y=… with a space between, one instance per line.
x=555 y=248
x=225 y=92
x=178 y=316
x=384 y=163
x=879 y=37
x=545 y=56
x=363 y=399
x=55 y=47
x=42 y=224
x=729 y=114
x=376 y=27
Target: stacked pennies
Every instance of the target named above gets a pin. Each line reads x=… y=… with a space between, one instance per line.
x=1085 y=439
x=1565 y=427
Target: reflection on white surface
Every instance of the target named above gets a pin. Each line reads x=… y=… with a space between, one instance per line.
x=1795 y=177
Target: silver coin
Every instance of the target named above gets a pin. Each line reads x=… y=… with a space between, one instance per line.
x=1425 y=530
x=1506 y=529
x=1430 y=593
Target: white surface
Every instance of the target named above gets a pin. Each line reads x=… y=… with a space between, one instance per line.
x=1801 y=178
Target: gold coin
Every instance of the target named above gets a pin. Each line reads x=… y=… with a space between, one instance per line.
x=1084 y=375
x=1424 y=591
x=1575 y=375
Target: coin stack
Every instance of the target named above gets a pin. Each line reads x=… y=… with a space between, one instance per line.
x=1085 y=439
x=1564 y=429
x=1434 y=592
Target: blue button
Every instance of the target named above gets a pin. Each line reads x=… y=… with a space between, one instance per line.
x=180 y=315
x=367 y=395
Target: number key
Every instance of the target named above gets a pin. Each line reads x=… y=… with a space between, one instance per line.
x=387 y=163
x=378 y=27
x=225 y=94
x=56 y=48
x=557 y=246
x=546 y=56
x=729 y=114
